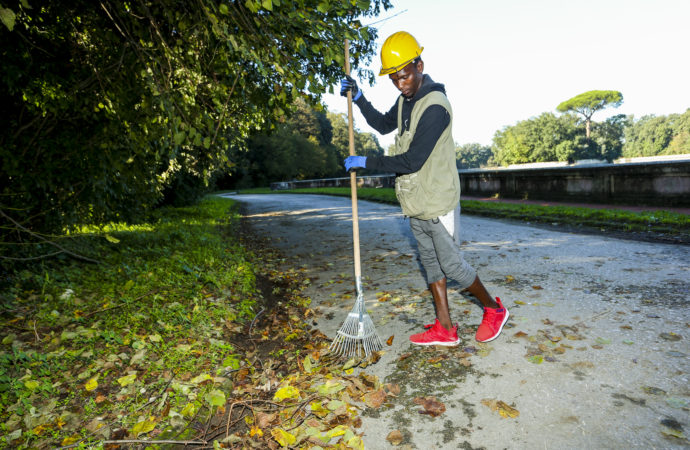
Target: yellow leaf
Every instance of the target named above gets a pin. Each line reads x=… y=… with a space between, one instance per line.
x=112 y=239
x=283 y=437
x=518 y=302
x=256 y=431
x=307 y=364
x=71 y=440
x=286 y=392
x=91 y=384
x=355 y=442
x=507 y=411
x=331 y=387
x=144 y=426
x=337 y=431
x=127 y=379
x=318 y=410
x=201 y=378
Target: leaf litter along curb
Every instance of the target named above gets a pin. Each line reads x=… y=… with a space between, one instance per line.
x=186 y=334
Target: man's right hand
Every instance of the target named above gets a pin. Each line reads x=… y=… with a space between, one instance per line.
x=349 y=84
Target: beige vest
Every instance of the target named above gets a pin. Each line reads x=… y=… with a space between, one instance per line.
x=434 y=190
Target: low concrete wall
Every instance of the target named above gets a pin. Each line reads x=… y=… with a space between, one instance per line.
x=646 y=183
x=649 y=183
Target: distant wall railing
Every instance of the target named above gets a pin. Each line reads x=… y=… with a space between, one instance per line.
x=633 y=181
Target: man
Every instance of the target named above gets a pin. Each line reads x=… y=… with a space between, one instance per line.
x=426 y=184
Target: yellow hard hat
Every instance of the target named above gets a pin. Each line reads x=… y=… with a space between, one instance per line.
x=399 y=50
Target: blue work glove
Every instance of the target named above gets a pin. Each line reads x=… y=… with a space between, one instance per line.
x=349 y=84
x=355 y=162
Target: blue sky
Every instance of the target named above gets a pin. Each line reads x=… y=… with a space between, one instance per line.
x=504 y=61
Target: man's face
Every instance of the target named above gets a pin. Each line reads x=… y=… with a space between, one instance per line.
x=408 y=80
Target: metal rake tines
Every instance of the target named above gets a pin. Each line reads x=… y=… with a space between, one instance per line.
x=357 y=336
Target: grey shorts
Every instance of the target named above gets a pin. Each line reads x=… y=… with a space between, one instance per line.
x=439 y=249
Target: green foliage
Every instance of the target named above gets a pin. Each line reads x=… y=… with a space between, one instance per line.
x=470 y=156
x=366 y=144
x=663 y=135
x=109 y=106
x=590 y=102
x=158 y=306
x=539 y=139
x=551 y=138
x=607 y=137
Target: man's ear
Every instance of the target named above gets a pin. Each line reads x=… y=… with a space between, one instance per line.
x=420 y=66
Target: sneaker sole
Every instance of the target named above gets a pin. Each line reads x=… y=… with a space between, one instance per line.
x=445 y=344
x=498 y=333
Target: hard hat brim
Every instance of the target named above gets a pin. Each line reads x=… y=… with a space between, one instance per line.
x=399 y=67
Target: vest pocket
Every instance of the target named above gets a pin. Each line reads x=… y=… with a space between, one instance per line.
x=410 y=194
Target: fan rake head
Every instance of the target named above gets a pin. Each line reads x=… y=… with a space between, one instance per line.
x=357 y=336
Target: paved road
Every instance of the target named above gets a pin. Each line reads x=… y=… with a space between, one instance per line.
x=595 y=354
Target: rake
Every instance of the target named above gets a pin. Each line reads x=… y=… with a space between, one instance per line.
x=357 y=336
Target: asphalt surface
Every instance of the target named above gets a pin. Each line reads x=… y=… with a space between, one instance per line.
x=595 y=354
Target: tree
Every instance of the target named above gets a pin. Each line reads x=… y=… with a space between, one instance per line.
x=473 y=155
x=539 y=139
x=366 y=144
x=663 y=135
x=590 y=102
x=608 y=137
x=106 y=106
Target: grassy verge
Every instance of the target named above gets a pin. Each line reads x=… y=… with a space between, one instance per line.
x=665 y=225
x=184 y=333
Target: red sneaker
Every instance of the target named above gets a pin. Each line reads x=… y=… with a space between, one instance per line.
x=492 y=323
x=436 y=335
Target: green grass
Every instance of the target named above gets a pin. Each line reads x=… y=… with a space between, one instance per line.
x=156 y=308
x=670 y=224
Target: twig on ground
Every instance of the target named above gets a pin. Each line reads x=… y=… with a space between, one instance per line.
x=54 y=244
x=254 y=320
x=38 y=339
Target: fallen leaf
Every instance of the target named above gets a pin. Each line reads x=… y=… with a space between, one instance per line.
x=215 y=398
x=653 y=390
x=520 y=334
x=392 y=389
x=510 y=278
x=283 y=437
x=144 y=426
x=437 y=359
x=389 y=342
x=671 y=336
x=68 y=441
x=431 y=406
x=375 y=399
x=536 y=359
x=503 y=409
x=330 y=387
x=536 y=288
x=127 y=379
x=395 y=437
x=286 y=392
x=91 y=384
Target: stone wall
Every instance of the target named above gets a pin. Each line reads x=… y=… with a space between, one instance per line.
x=650 y=182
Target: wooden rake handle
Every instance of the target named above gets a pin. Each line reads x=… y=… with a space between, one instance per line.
x=353 y=175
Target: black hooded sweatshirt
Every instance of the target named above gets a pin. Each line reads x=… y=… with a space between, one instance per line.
x=429 y=129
